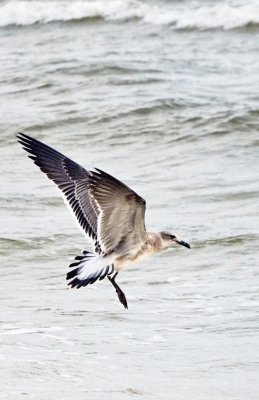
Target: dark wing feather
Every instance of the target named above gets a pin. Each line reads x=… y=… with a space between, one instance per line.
x=71 y=179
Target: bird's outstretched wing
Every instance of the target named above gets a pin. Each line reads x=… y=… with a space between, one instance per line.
x=121 y=222
x=71 y=179
x=110 y=213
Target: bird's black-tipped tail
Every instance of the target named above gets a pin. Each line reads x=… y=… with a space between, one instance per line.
x=89 y=268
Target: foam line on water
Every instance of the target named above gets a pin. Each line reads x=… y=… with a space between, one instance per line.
x=180 y=16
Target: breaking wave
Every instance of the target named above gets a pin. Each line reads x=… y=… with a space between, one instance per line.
x=180 y=16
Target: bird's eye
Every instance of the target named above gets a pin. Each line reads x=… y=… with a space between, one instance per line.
x=172 y=237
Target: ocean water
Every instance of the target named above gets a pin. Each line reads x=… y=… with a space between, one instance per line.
x=164 y=95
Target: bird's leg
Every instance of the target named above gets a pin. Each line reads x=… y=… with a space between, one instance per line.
x=119 y=292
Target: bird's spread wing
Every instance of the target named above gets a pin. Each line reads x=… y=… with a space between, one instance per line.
x=71 y=179
x=109 y=212
x=122 y=213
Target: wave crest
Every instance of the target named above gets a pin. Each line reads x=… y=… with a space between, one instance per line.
x=179 y=16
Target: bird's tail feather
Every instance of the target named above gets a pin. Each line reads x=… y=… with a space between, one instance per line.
x=89 y=268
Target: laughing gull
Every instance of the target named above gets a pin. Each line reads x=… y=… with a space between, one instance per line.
x=110 y=213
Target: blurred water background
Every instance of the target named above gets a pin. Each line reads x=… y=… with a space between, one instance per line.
x=165 y=96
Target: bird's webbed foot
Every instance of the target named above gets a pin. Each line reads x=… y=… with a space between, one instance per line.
x=119 y=292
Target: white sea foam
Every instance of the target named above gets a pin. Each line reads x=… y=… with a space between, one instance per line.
x=27 y=12
x=181 y=16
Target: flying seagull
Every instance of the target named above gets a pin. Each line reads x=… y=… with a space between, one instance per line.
x=111 y=215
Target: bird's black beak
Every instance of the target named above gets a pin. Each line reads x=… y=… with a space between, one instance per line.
x=182 y=243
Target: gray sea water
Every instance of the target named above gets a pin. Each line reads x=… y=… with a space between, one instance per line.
x=164 y=95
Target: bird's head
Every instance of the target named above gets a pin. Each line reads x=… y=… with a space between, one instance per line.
x=170 y=239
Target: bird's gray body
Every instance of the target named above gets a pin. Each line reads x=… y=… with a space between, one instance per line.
x=152 y=244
